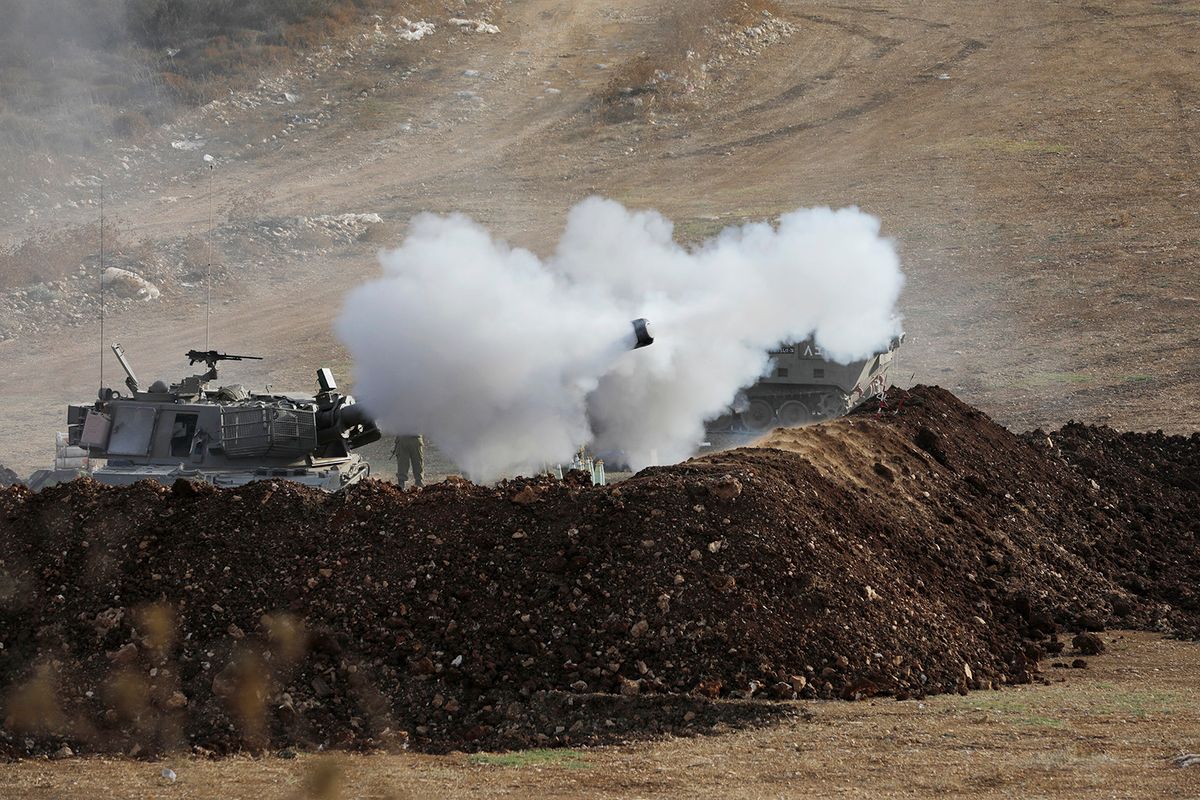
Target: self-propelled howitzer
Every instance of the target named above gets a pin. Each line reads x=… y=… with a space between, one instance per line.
x=802 y=385
x=226 y=436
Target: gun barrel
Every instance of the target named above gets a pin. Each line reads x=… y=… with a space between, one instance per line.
x=131 y=380
x=641 y=333
x=211 y=357
x=354 y=415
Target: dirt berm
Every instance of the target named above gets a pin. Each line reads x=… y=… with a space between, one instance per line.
x=922 y=549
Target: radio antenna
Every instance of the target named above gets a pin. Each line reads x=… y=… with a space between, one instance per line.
x=208 y=266
x=101 y=287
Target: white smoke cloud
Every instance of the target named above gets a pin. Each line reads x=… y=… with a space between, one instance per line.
x=509 y=362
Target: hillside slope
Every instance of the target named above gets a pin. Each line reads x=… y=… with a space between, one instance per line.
x=1033 y=162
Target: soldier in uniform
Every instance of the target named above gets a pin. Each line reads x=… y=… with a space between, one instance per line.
x=409 y=452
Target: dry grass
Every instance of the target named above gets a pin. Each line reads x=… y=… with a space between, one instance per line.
x=748 y=12
x=47 y=256
x=1108 y=730
x=50 y=255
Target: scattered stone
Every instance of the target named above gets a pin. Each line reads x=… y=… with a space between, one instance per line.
x=931 y=443
x=108 y=619
x=1089 y=644
x=124 y=656
x=725 y=489
x=526 y=495
x=473 y=25
x=175 y=701
x=128 y=284
x=224 y=683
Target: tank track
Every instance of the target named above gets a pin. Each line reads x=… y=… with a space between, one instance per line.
x=775 y=409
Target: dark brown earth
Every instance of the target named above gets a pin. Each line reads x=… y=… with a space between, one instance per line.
x=910 y=550
x=1156 y=479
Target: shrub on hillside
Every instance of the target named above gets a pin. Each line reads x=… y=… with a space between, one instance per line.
x=165 y=22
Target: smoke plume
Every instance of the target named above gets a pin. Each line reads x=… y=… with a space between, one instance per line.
x=510 y=362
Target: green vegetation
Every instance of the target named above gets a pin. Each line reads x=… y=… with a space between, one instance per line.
x=1036 y=380
x=1119 y=701
x=1096 y=700
x=571 y=759
x=1014 y=706
x=697 y=229
x=32 y=26
x=1018 y=147
x=1009 y=147
x=161 y=23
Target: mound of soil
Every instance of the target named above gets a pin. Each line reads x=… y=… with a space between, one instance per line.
x=1155 y=480
x=914 y=550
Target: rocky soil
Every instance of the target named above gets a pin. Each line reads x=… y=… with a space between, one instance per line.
x=909 y=550
x=142 y=279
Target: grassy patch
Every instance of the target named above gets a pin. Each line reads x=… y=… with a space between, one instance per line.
x=1014 y=147
x=1137 y=703
x=1038 y=380
x=697 y=229
x=1016 y=708
x=570 y=759
x=1039 y=721
x=1099 y=700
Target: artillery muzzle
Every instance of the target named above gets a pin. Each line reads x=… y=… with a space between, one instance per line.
x=641 y=333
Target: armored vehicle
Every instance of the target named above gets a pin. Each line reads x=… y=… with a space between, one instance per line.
x=226 y=436
x=803 y=386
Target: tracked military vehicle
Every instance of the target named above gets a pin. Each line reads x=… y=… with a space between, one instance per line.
x=225 y=436
x=803 y=386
